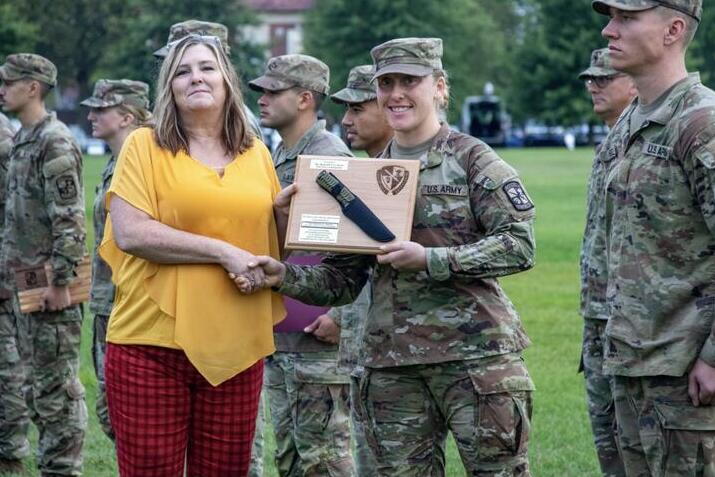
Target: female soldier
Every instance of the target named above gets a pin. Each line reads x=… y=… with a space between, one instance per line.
x=442 y=342
x=117 y=107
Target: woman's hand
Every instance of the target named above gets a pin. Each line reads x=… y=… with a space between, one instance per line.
x=408 y=256
x=272 y=274
x=236 y=262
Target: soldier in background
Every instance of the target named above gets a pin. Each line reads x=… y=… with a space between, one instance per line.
x=220 y=31
x=308 y=394
x=117 y=107
x=611 y=92
x=366 y=129
x=660 y=219
x=44 y=224
x=441 y=350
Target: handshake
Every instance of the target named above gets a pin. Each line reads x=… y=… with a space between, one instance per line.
x=260 y=272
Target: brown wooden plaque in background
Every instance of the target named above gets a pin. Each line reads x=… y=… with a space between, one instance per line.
x=386 y=186
x=32 y=282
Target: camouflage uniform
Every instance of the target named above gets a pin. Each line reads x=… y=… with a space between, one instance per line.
x=660 y=215
x=351 y=319
x=107 y=94
x=594 y=309
x=219 y=30
x=308 y=393
x=441 y=347
x=44 y=223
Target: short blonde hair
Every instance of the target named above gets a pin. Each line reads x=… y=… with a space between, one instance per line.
x=142 y=116
x=168 y=131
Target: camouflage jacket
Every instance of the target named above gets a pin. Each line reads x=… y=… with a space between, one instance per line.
x=593 y=261
x=44 y=209
x=660 y=219
x=316 y=141
x=475 y=220
x=101 y=296
x=6 y=135
x=351 y=320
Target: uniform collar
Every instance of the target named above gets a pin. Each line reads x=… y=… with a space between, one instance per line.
x=666 y=111
x=30 y=135
x=440 y=144
x=307 y=138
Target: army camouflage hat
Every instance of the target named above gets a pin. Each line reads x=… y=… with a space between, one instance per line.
x=360 y=87
x=108 y=93
x=600 y=65
x=288 y=71
x=194 y=27
x=29 y=66
x=693 y=8
x=410 y=56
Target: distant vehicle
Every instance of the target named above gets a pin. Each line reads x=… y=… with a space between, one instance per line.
x=537 y=134
x=484 y=117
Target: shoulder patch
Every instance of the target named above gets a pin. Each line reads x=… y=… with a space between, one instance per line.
x=517 y=196
x=66 y=187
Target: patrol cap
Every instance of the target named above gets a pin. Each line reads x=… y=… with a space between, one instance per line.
x=693 y=8
x=287 y=71
x=109 y=93
x=600 y=64
x=29 y=66
x=410 y=56
x=195 y=27
x=360 y=87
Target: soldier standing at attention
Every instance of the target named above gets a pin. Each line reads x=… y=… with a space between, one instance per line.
x=660 y=217
x=611 y=92
x=307 y=392
x=366 y=129
x=44 y=223
x=442 y=343
x=117 y=107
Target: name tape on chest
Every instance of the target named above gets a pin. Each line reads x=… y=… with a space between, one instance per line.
x=444 y=189
x=657 y=150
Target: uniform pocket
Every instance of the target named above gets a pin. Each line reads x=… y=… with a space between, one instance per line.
x=688 y=437
x=319 y=371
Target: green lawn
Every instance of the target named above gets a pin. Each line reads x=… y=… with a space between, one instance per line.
x=546 y=297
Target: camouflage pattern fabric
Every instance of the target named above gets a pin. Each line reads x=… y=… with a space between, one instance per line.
x=194 y=27
x=485 y=403
x=255 y=469
x=309 y=411
x=660 y=218
x=661 y=434
x=302 y=362
x=28 y=66
x=694 y=8
x=99 y=351
x=288 y=71
x=6 y=141
x=475 y=227
x=44 y=222
x=108 y=93
x=600 y=65
x=360 y=87
x=409 y=56
x=599 y=398
x=102 y=291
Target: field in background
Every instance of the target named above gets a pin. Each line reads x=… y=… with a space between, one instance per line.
x=546 y=297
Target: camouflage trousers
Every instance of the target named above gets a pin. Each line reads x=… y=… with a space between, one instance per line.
x=660 y=432
x=407 y=412
x=365 y=463
x=256 y=467
x=308 y=400
x=99 y=350
x=599 y=398
x=39 y=379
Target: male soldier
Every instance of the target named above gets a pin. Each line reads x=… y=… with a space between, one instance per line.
x=660 y=219
x=366 y=129
x=307 y=393
x=44 y=225
x=611 y=92
x=220 y=31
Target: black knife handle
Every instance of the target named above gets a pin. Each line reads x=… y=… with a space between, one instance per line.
x=335 y=187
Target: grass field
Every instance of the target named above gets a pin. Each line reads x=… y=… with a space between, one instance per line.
x=546 y=297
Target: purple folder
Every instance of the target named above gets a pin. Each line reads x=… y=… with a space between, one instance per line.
x=299 y=314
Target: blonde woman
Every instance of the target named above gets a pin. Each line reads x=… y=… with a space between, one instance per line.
x=191 y=200
x=117 y=107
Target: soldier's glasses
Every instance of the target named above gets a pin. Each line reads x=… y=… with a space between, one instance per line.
x=600 y=81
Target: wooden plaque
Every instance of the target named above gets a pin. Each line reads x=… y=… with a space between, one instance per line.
x=386 y=186
x=32 y=282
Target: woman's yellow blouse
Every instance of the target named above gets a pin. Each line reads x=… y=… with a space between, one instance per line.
x=195 y=308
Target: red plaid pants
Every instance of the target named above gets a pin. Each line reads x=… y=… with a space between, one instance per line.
x=166 y=415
